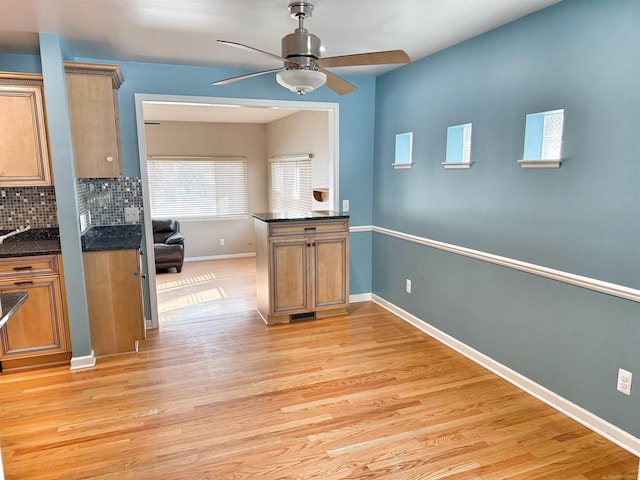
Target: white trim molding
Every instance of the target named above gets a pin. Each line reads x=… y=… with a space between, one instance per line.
x=360 y=297
x=86 y=361
x=457 y=165
x=220 y=257
x=570 y=409
x=361 y=229
x=609 y=288
x=545 y=163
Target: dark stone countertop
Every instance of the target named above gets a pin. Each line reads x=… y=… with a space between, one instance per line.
x=293 y=216
x=9 y=304
x=37 y=241
x=116 y=237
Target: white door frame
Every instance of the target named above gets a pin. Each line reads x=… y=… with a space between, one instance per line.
x=141 y=98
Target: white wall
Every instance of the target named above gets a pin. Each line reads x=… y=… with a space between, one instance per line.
x=217 y=139
x=304 y=132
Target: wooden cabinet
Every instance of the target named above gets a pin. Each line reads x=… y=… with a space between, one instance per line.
x=114 y=295
x=38 y=333
x=92 y=92
x=302 y=268
x=24 y=152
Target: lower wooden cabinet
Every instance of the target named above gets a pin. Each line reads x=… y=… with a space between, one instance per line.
x=38 y=333
x=302 y=268
x=114 y=294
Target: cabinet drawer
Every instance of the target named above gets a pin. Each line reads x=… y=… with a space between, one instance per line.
x=29 y=266
x=305 y=228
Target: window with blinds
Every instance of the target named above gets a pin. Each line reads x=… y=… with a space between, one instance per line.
x=291 y=184
x=198 y=187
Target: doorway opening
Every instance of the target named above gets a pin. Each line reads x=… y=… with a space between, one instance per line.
x=152 y=111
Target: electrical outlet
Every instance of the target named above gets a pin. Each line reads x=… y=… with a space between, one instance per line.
x=407 y=285
x=624 y=381
x=131 y=214
x=345 y=206
x=222 y=242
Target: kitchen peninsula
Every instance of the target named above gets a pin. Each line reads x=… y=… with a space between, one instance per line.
x=302 y=265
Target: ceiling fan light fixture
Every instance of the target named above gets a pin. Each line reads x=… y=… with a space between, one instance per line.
x=301 y=80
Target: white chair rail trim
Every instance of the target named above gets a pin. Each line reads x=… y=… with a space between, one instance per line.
x=609 y=288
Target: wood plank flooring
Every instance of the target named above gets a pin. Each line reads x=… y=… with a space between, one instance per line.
x=217 y=394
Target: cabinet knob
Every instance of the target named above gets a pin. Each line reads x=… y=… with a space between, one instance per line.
x=109 y=159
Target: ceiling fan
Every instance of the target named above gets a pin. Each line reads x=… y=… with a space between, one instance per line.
x=303 y=69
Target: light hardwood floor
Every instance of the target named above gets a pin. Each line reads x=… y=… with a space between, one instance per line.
x=216 y=394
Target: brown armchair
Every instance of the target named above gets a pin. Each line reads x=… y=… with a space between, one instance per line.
x=168 y=243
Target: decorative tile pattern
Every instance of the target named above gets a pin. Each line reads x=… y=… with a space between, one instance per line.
x=105 y=199
x=22 y=206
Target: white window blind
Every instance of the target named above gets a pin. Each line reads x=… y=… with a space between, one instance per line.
x=291 y=183
x=198 y=187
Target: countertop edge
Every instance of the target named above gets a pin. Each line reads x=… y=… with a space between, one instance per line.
x=299 y=217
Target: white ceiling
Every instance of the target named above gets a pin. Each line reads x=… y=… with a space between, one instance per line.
x=185 y=32
x=190 y=112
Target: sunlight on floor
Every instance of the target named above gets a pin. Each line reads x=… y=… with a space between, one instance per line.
x=186 y=282
x=197 y=298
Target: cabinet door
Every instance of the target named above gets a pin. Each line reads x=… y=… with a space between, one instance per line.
x=115 y=304
x=289 y=276
x=331 y=277
x=94 y=126
x=24 y=156
x=38 y=327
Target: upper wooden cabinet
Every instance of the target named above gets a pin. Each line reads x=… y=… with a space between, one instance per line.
x=92 y=92
x=24 y=152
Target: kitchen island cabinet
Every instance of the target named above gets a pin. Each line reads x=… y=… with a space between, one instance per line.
x=302 y=266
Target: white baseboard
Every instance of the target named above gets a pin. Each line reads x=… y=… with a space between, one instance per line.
x=86 y=361
x=360 y=297
x=570 y=409
x=220 y=257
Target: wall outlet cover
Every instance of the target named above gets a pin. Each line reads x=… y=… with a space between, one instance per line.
x=131 y=214
x=624 y=381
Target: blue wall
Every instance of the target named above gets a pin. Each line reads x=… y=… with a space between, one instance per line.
x=580 y=55
x=356 y=125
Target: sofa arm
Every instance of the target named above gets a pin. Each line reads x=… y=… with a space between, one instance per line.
x=175 y=238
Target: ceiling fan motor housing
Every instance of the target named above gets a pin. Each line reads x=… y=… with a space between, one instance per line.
x=301 y=47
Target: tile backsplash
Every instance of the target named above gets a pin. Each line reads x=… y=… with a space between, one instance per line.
x=103 y=201
x=23 y=206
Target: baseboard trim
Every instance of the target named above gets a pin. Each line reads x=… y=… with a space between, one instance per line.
x=86 y=361
x=568 y=408
x=220 y=257
x=360 y=297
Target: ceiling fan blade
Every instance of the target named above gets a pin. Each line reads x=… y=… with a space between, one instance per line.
x=362 y=59
x=251 y=49
x=337 y=84
x=226 y=81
